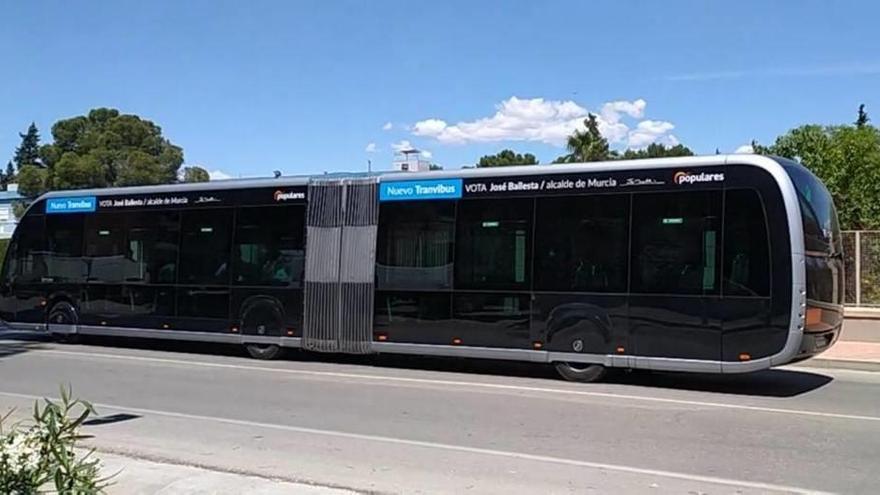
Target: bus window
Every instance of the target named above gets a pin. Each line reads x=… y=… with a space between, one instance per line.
x=64 y=240
x=204 y=246
x=581 y=243
x=493 y=240
x=817 y=211
x=415 y=245
x=675 y=248
x=30 y=255
x=152 y=246
x=269 y=246
x=105 y=247
x=746 y=247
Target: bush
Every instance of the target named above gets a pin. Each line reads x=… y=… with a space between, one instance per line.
x=44 y=454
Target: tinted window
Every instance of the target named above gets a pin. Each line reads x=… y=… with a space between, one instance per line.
x=152 y=244
x=204 y=247
x=493 y=240
x=269 y=246
x=675 y=246
x=821 y=231
x=746 y=248
x=105 y=254
x=30 y=256
x=581 y=243
x=415 y=245
x=64 y=243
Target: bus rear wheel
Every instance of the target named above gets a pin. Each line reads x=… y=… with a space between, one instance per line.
x=61 y=318
x=581 y=372
x=264 y=351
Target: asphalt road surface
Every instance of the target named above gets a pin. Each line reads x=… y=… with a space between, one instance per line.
x=415 y=425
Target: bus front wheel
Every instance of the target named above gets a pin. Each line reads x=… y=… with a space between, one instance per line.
x=581 y=372
x=264 y=351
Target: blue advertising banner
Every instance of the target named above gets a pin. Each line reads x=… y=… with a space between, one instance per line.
x=420 y=189
x=81 y=204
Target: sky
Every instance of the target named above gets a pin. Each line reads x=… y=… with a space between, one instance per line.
x=308 y=86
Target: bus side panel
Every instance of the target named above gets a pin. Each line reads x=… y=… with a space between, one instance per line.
x=752 y=323
x=589 y=323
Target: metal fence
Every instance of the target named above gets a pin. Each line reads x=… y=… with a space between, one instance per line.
x=861 y=250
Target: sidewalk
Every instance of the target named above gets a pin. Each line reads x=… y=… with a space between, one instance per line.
x=847 y=354
x=143 y=477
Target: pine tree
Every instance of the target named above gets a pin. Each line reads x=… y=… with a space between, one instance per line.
x=10 y=170
x=862 y=119
x=29 y=150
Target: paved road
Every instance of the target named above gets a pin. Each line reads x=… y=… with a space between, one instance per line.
x=448 y=426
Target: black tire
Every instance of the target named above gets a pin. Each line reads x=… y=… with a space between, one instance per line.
x=263 y=316
x=581 y=372
x=265 y=351
x=62 y=313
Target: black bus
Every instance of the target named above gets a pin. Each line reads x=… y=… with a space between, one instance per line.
x=719 y=264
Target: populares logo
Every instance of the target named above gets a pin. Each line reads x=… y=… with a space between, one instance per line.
x=689 y=178
x=288 y=195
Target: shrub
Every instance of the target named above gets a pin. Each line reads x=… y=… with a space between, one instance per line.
x=35 y=457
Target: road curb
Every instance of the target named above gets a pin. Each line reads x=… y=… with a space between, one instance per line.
x=841 y=364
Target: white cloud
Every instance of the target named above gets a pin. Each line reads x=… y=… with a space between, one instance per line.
x=371 y=148
x=651 y=131
x=746 y=148
x=218 y=175
x=551 y=122
x=402 y=145
x=611 y=111
x=427 y=154
x=388 y=126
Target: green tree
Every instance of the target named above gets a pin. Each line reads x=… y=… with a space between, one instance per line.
x=657 y=150
x=32 y=181
x=847 y=159
x=10 y=172
x=106 y=148
x=587 y=145
x=505 y=158
x=195 y=174
x=28 y=151
x=862 y=120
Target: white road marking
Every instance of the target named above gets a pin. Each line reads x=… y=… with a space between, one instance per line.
x=451 y=447
x=456 y=383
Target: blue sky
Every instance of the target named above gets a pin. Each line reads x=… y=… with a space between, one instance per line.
x=251 y=87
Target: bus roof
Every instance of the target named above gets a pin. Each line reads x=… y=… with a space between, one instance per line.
x=384 y=176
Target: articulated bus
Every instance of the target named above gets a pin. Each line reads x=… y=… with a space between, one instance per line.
x=718 y=264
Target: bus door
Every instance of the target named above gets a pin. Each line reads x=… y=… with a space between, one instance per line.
x=675 y=274
x=341 y=222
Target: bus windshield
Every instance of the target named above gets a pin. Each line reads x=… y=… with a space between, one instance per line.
x=821 y=230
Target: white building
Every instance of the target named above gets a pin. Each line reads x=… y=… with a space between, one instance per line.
x=7 y=217
x=410 y=160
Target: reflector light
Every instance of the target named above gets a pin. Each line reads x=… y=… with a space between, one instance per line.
x=289 y=331
x=165 y=325
x=744 y=356
x=456 y=341
x=538 y=345
x=234 y=329
x=381 y=337
x=814 y=316
x=620 y=350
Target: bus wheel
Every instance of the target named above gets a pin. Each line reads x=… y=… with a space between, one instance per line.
x=61 y=318
x=581 y=372
x=265 y=351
